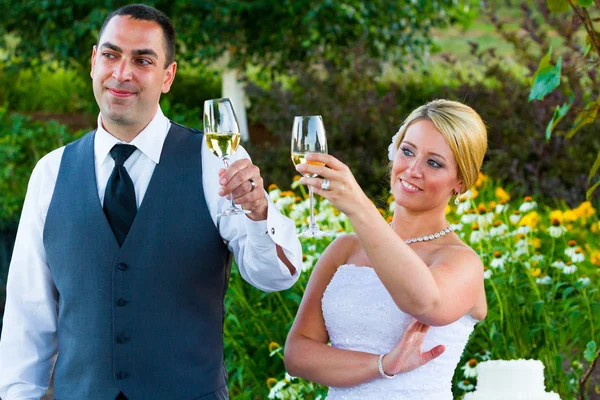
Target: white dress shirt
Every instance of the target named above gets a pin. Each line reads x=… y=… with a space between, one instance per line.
x=29 y=342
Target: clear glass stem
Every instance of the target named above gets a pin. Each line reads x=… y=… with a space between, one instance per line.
x=226 y=162
x=313 y=223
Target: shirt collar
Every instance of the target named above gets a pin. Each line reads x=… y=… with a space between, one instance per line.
x=149 y=141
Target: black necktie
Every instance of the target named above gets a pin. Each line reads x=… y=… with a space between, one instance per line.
x=119 y=198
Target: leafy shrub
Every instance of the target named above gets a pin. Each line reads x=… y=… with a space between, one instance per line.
x=361 y=114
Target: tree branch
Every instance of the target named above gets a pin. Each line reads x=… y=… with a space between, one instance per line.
x=587 y=23
x=588 y=373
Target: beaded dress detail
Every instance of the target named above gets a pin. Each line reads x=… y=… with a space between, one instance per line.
x=361 y=315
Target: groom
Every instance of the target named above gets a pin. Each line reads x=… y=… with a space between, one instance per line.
x=120 y=266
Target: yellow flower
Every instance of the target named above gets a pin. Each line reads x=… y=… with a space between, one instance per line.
x=537 y=243
x=297 y=199
x=336 y=212
x=389 y=219
x=448 y=210
x=557 y=215
x=595 y=257
x=531 y=219
x=296 y=177
x=272 y=186
x=381 y=211
x=271 y=382
x=481 y=209
x=390 y=199
x=287 y=193
x=502 y=195
x=595 y=228
x=535 y=272
x=585 y=210
x=570 y=216
x=481 y=179
x=273 y=346
x=493 y=204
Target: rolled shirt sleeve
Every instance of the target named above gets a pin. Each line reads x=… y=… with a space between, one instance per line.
x=253 y=243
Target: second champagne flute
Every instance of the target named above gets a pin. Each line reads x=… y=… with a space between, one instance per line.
x=308 y=136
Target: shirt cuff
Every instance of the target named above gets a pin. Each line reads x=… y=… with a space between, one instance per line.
x=267 y=232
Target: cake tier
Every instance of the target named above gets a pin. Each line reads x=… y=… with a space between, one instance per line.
x=511 y=376
x=480 y=395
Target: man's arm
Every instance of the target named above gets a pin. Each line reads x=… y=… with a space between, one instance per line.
x=267 y=252
x=28 y=345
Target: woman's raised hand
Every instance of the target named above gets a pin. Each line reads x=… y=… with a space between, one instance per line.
x=343 y=192
x=408 y=353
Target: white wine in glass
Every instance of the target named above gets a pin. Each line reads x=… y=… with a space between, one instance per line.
x=222 y=134
x=308 y=136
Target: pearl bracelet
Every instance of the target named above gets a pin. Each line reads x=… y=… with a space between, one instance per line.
x=380 y=366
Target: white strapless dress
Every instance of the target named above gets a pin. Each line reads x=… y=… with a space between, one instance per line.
x=360 y=315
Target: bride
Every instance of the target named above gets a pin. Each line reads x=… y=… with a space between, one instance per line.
x=367 y=288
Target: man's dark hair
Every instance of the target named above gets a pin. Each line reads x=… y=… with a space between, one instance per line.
x=147 y=13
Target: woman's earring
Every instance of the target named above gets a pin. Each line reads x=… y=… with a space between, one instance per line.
x=456 y=201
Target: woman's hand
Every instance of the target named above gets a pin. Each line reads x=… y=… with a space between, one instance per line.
x=407 y=354
x=344 y=192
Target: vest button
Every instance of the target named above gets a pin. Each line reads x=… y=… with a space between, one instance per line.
x=122 y=339
x=122 y=375
x=122 y=266
x=121 y=302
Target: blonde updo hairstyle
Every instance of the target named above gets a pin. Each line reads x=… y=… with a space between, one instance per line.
x=463 y=130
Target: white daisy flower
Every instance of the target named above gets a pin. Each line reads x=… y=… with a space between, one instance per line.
x=485 y=219
x=484 y=355
x=544 y=280
x=498 y=229
x=487 y=274
x=569 y=268
x=528 y=205
x=476 y=236
x=500 y=208
x=465 y=385
x=515 y=217
x=523 y=230
x=470 y=368
x=584 y=282
x=468 y=218
x=521 y=248
x=557 y=231
x=456 y=227
x=558 y=264
x=463 y=207
x=577 y=256
x=498 y=260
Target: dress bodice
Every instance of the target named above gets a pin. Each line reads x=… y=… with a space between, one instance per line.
x=361 y=315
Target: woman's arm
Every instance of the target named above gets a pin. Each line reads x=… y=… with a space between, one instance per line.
x=307 y=354
x=437 y=294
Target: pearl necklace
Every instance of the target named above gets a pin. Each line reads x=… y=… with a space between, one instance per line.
x=427 y=238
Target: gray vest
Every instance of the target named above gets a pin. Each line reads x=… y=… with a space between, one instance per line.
x=145 y=319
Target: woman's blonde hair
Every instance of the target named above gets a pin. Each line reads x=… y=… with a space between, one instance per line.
x=463 y=130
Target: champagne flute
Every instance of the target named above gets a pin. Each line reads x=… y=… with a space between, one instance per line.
x=308 y=136
x=222 y=134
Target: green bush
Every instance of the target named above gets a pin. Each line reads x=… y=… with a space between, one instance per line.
x=22 y=143
x=361 y=115
x=46 y=88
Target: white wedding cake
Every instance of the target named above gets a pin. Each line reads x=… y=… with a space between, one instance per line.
x=511 y=380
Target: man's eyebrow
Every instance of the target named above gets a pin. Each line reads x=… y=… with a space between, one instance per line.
x=146 y=52
x=139 y=52
x=111 y=46
x=435 y=154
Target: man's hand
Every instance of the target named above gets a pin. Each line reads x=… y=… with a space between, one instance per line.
x=238 y=180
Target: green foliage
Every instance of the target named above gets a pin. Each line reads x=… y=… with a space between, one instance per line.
x=546 y=78
x=45 y=88
x=361 y=114
x=538 y=307
x=22 y=143
x=583 y=62
x=262 y=32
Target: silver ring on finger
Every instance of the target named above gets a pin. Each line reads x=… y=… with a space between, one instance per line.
x=325 y=184
x=253 y=184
